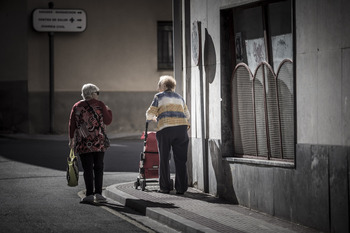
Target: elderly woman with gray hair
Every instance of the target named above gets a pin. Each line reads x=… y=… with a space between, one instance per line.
x=87 y=123
x=170 y=111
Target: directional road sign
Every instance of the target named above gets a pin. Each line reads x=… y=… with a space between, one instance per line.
x=59 y=20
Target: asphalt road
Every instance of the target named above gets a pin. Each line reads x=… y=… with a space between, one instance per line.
x=35 y=197
x=122 y=156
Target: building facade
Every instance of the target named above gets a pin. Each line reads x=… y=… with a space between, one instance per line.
x=268 y=84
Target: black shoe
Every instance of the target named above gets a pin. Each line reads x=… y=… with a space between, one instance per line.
x=179 y=193
x=163 y=191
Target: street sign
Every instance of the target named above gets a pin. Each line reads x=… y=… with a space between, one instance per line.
x=59 y=20
x=196 y=42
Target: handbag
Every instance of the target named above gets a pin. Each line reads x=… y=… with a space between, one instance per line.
x=72 y=169
x=106 y=142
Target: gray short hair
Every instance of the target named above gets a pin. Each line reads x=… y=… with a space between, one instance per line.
x=88 y=89
x=167 y=82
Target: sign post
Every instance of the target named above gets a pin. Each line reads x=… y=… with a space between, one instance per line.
x=57 y=20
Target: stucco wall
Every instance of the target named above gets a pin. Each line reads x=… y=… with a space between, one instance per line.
x=117 y=51
x=128 y=111
x=323 y=75
x=205 y=91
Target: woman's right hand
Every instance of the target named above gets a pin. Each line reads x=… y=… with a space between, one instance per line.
x=71 y=143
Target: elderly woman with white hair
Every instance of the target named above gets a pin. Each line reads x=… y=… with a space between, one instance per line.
x=87 y=125
x=170 y=111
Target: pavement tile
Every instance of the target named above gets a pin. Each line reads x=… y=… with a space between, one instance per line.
x=196 y=211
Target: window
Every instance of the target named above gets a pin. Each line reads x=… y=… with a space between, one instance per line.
x=165 y=45
x=262 y=84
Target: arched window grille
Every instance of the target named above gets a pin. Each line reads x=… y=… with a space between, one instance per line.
x=263 y=111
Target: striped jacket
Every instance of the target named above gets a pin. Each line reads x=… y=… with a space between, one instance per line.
x=170 y=110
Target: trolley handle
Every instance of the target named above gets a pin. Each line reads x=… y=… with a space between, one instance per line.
x=146 y=129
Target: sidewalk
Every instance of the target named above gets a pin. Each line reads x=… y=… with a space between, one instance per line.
x=196 y=211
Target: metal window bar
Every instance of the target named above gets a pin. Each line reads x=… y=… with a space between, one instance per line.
x=243 y=111
x=261 y=113
x=272 y=108
x=286 y=107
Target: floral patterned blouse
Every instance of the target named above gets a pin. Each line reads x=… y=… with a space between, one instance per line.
x=84 y=127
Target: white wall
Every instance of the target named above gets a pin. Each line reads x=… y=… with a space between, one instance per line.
x=322 y=62
x=208 y=14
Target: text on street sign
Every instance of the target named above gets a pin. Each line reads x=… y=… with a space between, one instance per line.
x=59 y=20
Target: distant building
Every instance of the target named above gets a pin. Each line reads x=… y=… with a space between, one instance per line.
x=124 y=49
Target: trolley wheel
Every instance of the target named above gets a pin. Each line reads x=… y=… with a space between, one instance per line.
x=137 y=183
x=143 y=185
x=171 y=184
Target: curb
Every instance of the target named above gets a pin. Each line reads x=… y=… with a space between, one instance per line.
x=172 y=220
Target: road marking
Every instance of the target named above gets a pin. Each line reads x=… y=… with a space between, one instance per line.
x=126 y=218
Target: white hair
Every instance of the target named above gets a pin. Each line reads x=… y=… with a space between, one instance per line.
x=167 y=82
x=88 y=89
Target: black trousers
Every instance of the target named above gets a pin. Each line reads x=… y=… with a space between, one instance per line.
x=174 y=138
x=93 y=171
